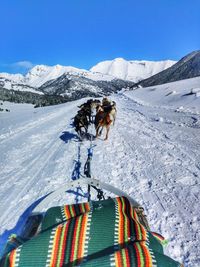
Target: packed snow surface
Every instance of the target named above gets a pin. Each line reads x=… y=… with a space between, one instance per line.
x=133 y=70
x=153 y=154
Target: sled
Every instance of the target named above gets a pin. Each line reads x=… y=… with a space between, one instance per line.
x=106 y=232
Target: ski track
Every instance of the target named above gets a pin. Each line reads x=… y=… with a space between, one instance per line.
x=146 y=159
x=27 y=127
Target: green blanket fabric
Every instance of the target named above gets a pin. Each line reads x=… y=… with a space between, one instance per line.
x=103 y=233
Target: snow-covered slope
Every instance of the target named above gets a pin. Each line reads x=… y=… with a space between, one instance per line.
x=16 y=82
x=17 y=78
x=180 y=95
x=133 y=70
x=152 y=154
x=17 y=85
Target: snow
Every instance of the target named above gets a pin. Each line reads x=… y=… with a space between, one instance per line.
x=13 y=85
x=153 y=154
x=133 y=70
x=15 y=77
x=183 y=94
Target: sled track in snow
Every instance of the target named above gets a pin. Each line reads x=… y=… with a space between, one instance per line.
x=32 y=171
x=29 y=132
x=7 y=137
x=24 y=178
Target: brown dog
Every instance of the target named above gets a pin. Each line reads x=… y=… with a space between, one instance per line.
x=105 y=115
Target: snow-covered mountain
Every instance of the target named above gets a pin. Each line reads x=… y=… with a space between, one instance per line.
x=59 y=82
x=40 y=74
x=187 y=67
x=104 y=78
x=70 y=84
x=104 y=71
x=133 y=70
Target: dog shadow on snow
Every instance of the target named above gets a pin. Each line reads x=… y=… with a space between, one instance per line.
x=76 y=172
x=68 y=136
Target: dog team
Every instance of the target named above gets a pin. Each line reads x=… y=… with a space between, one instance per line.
x=101 y=114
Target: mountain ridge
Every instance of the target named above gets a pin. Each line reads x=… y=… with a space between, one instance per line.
x=187 y=67
x=40 y=74
x=64 y=81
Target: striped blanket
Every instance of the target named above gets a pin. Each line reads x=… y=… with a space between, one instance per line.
x=100 y=233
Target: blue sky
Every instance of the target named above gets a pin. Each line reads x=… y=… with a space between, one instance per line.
x=83 y=32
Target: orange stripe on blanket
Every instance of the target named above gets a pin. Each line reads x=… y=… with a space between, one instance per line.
x=147 y=255
x=64 y=245
x=55 y=246
x=12 y=258
x=118 y=259
x=67 y=213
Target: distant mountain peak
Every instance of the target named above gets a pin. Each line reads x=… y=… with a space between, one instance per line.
x=193 y=53
x=119 y=59
x=190 y=56
x=133 y=70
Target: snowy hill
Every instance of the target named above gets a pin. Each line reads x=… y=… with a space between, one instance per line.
x=152 y=154
x=133 y=70
x=16 y=82
x=187 y=67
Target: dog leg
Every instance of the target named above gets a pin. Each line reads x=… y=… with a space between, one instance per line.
x=114 y=120
x=97 y=131
x=107 y=131
x=100 y=132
